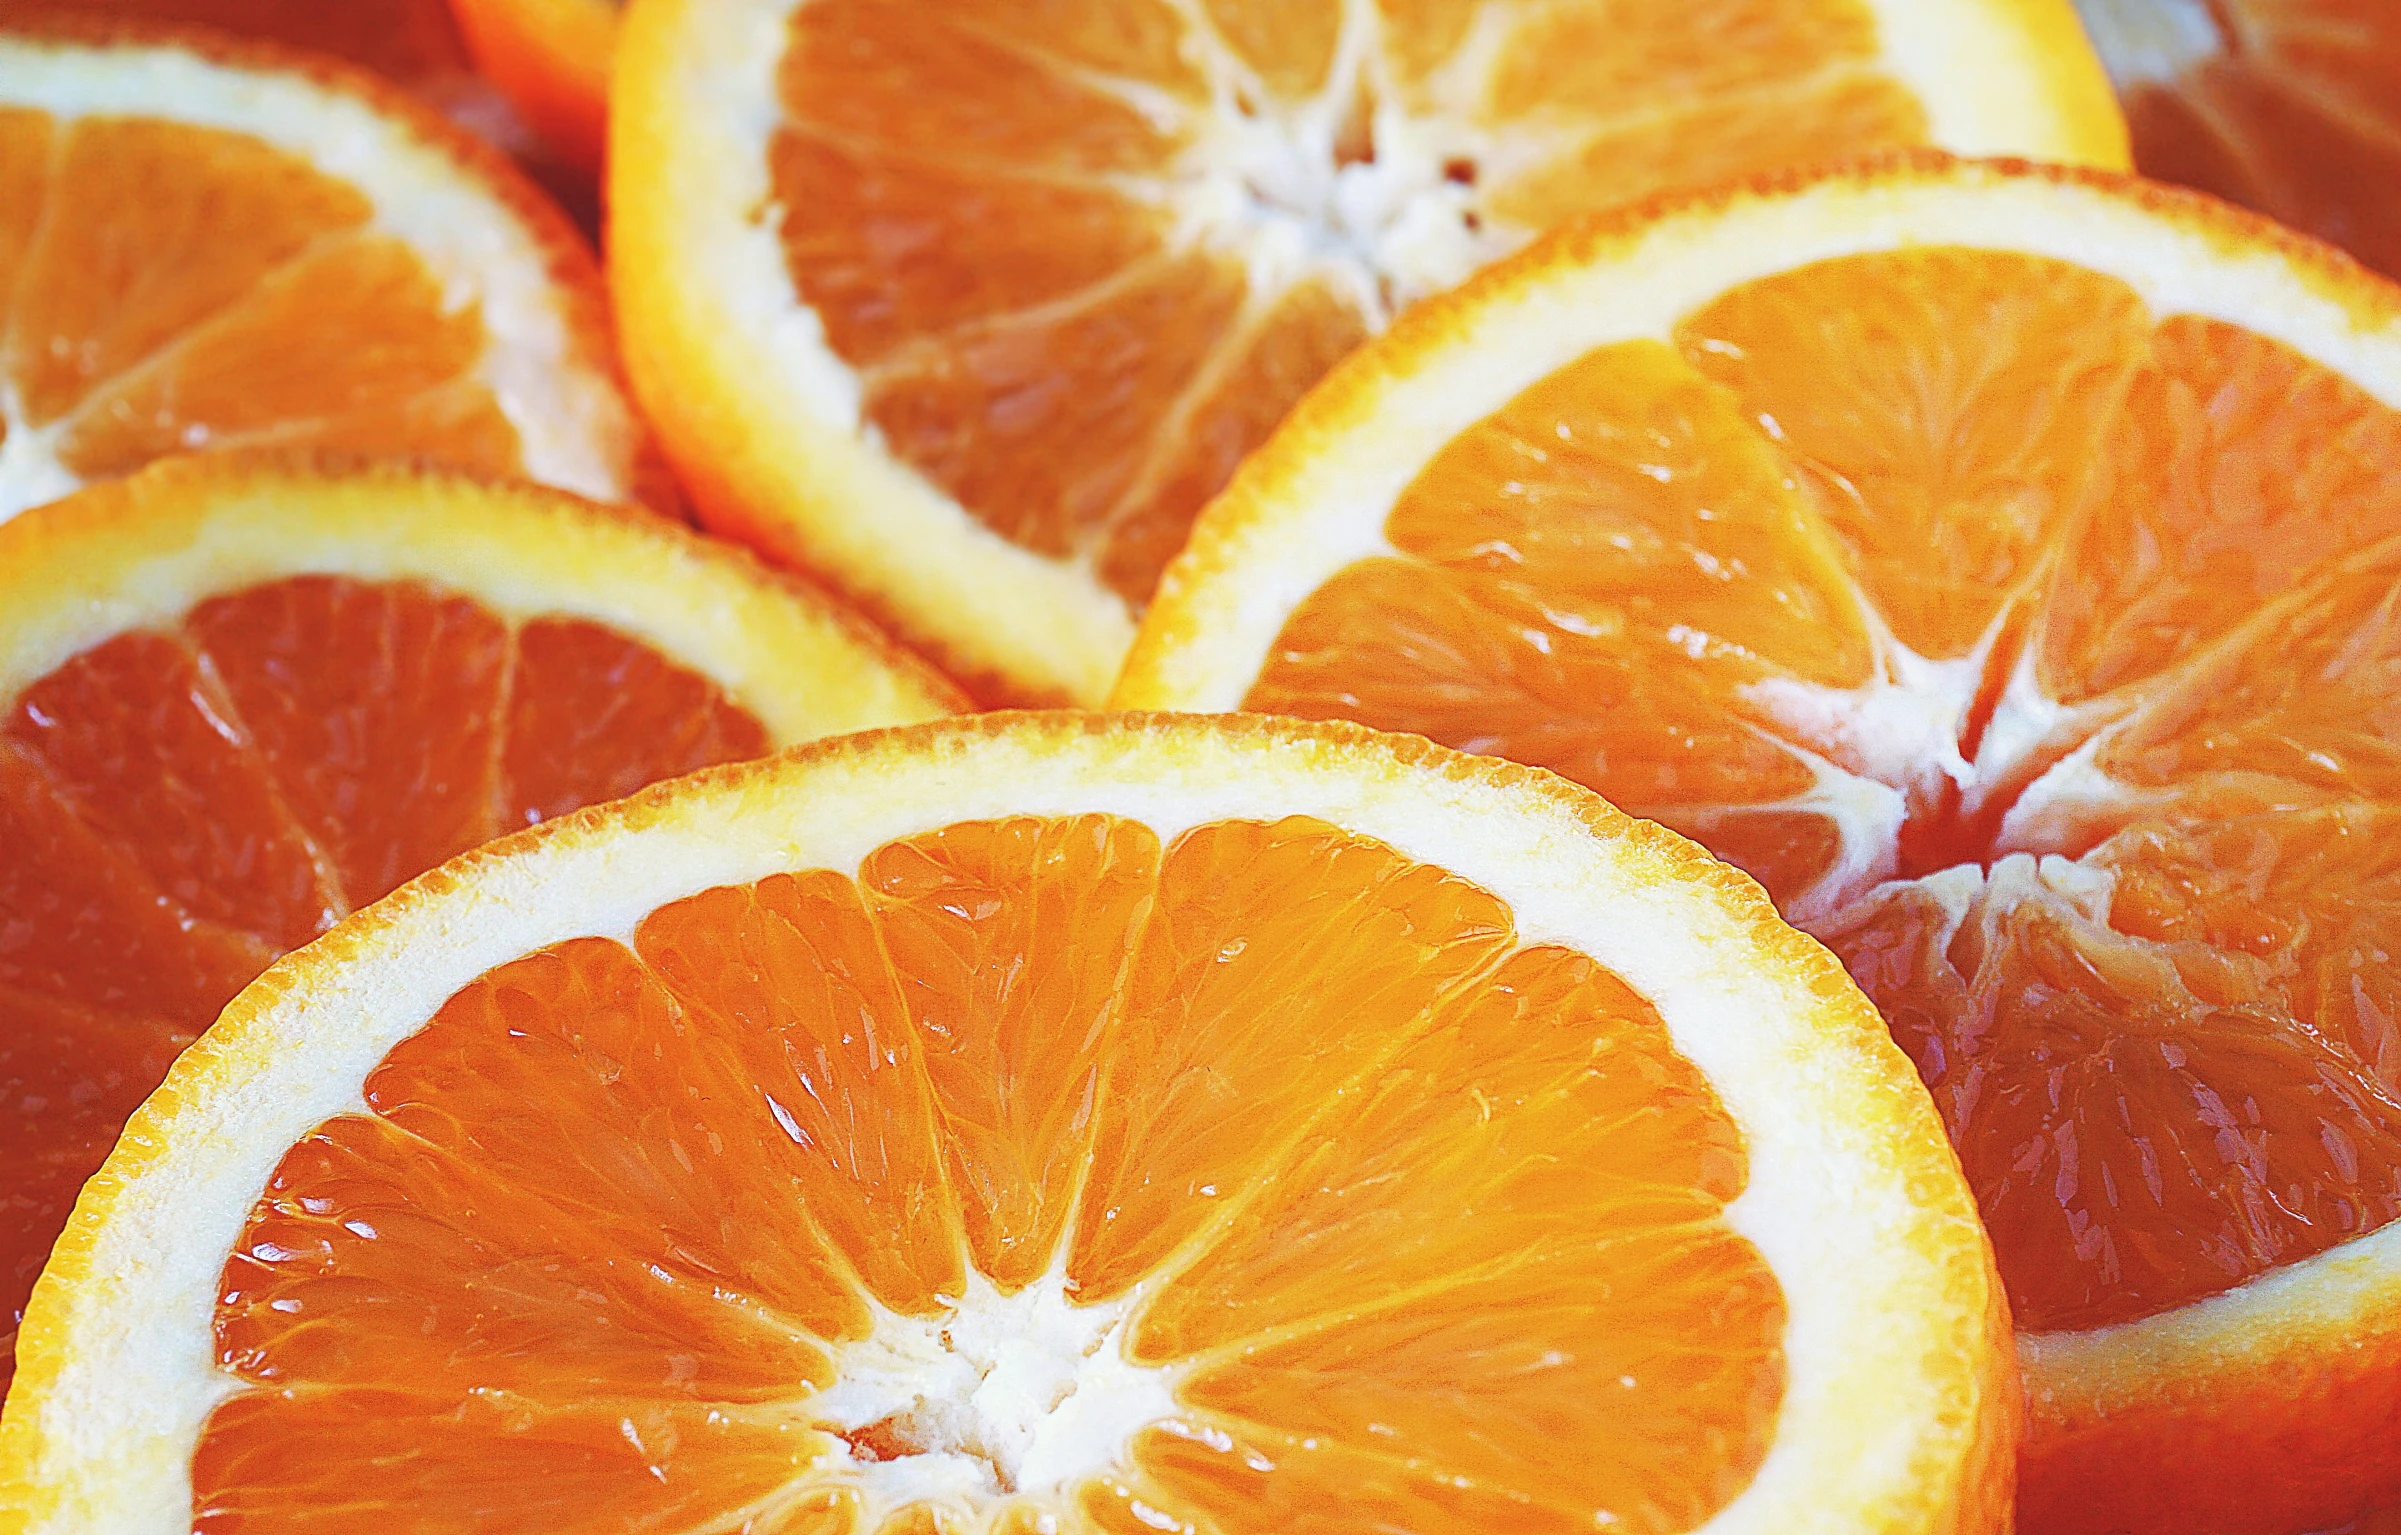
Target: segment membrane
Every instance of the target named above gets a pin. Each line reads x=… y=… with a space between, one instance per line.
x=1319 y=1128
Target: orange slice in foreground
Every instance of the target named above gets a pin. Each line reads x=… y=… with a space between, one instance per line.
x=1037 y=1123
x=971 y=305
x=207 y=244
x=238 y=701
x=2292 y=107
x=551 y=57
x=2000 y=564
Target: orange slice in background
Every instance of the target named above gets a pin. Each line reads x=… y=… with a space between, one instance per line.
x=206 y=243
x=410 y=41
x=2000 y=564
x=240 y=700
x=971 y=306
x=551 y=58
x=2292 y=107
x=1037 y=1123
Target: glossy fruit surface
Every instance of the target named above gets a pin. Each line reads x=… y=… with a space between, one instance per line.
x=1999 y=563
x=240 y=701
x=1038 y=1122
x=1030 y=283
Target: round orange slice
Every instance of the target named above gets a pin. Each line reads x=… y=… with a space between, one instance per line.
x=239 y=700
x=551 y=58
x=1999 y=563
x=1037 y=1123
x=2292 y=107
x=971 y=306
x=207 y=244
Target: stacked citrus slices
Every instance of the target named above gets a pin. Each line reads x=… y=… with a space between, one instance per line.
x=2000 y=564
x=1037 y=1123
x=971 y=305
x=244 y=699
x=209 y=244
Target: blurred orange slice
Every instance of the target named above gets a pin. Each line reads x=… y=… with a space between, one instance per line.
x=207 y=244
x=2000 y=563
x=1034 y=1124
x=2292 y=107
x=238 y=701
x=551 y=58
x=971 y=306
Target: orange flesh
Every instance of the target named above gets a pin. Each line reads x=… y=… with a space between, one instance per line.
x=165 y=287
x=983 y=206
x=617 y=1209
x=2168 y=1066
x=178 y=807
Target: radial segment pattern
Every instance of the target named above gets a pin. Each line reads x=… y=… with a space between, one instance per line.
x=1081 y=257
x=1034 y=1177
x=181 y=805
x=2035 y=650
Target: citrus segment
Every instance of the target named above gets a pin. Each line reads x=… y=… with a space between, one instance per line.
x=1941 y=407
x=2000 y=565
x=1353 y=1196
x=272 y=250
x=1013 y=1052
x=1004 y=273
x=228 y=775
x=825 y=1046
x=2237 y=469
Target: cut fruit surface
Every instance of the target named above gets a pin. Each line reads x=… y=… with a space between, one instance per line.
x=210 y=244
x=552 y=58
x=972 y=310
x=2292 y=107
x=1032 y=1123
x=1998 y=563
x=242 y=700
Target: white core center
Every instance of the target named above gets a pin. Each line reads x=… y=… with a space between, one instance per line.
x=1347 y=189
x=1003 y=1395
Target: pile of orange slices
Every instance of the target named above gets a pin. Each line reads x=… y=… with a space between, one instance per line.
x=1702 y=838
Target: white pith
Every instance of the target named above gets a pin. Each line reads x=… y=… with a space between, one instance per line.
x=1260 y=179
x=1874 y=1393
x=573 y=428
x=1303 y=517
x=1004 y=1398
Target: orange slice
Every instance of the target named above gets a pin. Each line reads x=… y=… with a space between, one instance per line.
x=1037 y=1123
x=411 y=41
x=2292 y=107
x=971 y=309
x=207 y=244
x=238 y=701
x=1999 y=564
x=551 y=57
